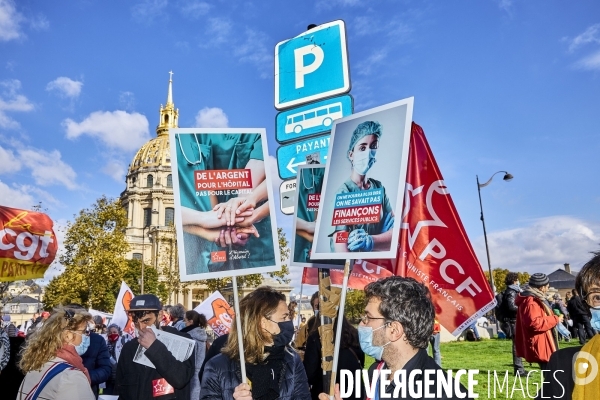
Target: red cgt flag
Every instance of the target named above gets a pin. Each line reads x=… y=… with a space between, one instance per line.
x=434 y=247
x=28 y=244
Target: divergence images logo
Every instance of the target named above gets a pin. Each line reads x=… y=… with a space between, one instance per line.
x=585 y=368
x=218 y=256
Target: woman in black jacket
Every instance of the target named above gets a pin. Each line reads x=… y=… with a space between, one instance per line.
x=274 y=370
x=351 y=357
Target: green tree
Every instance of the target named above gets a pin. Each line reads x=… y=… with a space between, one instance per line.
x=133 y=276
x=94 y=258
x=355 y=305
x=281 y=276
x=500 y=276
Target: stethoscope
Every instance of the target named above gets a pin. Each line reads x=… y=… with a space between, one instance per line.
x=304 y=184
x=183 y=152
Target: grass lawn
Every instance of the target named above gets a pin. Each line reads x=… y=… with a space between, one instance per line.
x=489 y=355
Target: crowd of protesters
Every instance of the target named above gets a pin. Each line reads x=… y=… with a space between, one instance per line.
x=68 y=354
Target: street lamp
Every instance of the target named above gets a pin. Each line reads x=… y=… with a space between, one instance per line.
x=146 y=225
x=507 y=177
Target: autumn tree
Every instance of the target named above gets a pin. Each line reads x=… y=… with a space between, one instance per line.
x=133 y=276
x=500 y=276
x=93 y=257
x=355 y=305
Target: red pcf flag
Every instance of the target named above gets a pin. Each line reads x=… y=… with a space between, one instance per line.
x=28 y=244
x=434 y=247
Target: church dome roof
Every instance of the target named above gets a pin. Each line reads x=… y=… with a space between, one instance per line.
x=154 y=153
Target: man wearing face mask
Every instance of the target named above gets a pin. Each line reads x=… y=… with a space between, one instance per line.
x=395 y=330
x=564 y=362
x=361 y=154
x=171 y=378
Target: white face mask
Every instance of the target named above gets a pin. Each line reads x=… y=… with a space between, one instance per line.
x=363 y=161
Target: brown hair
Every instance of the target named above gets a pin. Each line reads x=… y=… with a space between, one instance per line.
x=196 y=318
x=588 y=276
x=45 y=341
x=258 y=304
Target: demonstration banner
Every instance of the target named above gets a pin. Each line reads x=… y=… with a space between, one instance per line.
x=363 y=273
x=434 y=247
x=120 y=316
x=363 y=184
x=224 y=210
x=218 y=313
x=28 y=244
x=308 y=194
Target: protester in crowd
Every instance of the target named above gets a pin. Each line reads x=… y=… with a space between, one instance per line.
x=214 y=350
x=302 y=322
x=8 y=326
x=166 y=318
x=115 y=341
x=195 y=325
x=10 y=374
x=475 y=332
x=562 y=364
x=293 y=310
x=435 y=342
x=509 y=314
x=303 y=332
x=535 y=334
x=351 y=357
x=580 y=315
x=52 y=361
x=559 y=308
x=29 y=323
x=95 y=357
x=395 y=329
x=100 y=327
x=177 y=312
x=273 y=368
x=138 y=382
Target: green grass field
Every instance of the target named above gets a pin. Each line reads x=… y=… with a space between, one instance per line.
x=489 y=355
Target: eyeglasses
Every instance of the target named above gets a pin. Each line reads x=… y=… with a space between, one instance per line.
x=593 y=298
x=85 y=332
x=365 y=319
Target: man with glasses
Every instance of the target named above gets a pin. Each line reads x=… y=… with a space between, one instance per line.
x=171 y=378
x=395 y=330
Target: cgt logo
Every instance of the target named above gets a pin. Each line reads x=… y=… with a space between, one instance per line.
x=218 y=256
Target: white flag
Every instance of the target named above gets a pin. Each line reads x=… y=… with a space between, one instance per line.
x=120 y=317
x=218 y=313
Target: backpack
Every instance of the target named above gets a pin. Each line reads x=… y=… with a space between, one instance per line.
x=470 y=335
x=499 y=310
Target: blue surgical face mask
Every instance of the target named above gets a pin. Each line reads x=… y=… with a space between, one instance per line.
x=363 y=161
x=365 y=337
x=285 y=335
x=83 y=346
x=595 y=317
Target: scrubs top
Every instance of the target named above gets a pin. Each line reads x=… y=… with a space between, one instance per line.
x=225 y=151
x=372 y=229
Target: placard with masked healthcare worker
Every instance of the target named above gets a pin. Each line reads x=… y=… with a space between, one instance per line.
x=309 y=183
x=363 y=188
x=223 y=203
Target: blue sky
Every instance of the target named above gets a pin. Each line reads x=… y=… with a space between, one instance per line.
x=498 y=85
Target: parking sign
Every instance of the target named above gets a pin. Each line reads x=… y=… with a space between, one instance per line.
x=312 y=66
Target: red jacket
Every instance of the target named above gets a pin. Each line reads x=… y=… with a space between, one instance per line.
x=534 y=336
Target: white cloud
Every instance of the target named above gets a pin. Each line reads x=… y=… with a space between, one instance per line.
x=115 y=169
x=218 y=31
x=10 y=20
x=194 y=9
x=8 y=161
x=127 y=101
x=591 y=62
x=39 y=22
x=368 y=65
x=117 y=129
x=256 y=51
x=12 y=100
x=148 y=10
x=23 y=196
x=590 y=35
x=47 y=168
x=65 y=87
x=211 y=117
x=544 y=245
x=506 y=5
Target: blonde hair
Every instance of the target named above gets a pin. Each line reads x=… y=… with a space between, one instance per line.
x=45 y=341
x=258 y=304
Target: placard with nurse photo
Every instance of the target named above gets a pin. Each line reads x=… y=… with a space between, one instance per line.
x=363 y=188
x=223 y=203
x=309 y=183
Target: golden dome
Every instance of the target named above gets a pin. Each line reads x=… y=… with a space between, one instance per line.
x=157 y=152
x=153 y=154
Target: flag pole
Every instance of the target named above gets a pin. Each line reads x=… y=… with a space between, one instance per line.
x=338 y=331
x=300 y=302
x=238 y=324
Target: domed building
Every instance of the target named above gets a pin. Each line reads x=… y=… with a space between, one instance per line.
x=148 y=200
